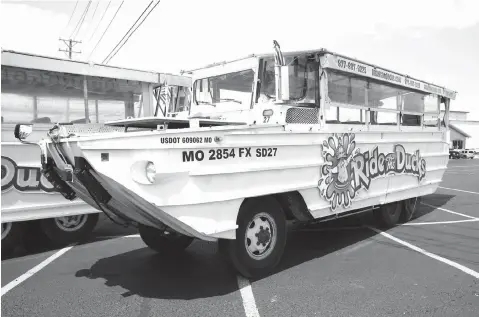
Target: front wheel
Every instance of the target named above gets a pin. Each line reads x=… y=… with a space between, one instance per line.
x=260 y=237
x=163 y=242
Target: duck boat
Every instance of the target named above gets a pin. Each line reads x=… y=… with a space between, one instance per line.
x=304 y=136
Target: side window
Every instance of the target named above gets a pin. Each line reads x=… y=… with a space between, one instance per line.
x=346 y=89
x=49 y=98
x=431 y=110
x=412 y=102
x=17 y=108
x=386 y=100
x=302 y=85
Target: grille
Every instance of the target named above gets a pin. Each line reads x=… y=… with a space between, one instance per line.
x=302 y=115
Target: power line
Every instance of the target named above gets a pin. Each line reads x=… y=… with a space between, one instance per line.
x=71 y=16
x=106 y=29
x=101 y=19
x=128 y=31
x=82 y=18
x=77 y=24
x=133 y=32
x=92 y=18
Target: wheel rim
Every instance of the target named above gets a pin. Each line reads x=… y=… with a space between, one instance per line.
x=260 y=237
x=71 y=223
x=6 y=227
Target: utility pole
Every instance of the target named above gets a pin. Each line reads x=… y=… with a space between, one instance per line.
x=69 y=43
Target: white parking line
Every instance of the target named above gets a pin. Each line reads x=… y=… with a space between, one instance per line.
x=36 y=269
x=329 y=229
x=429 y=254
x=459 y=190
x=463 y=166
x=249 y=303
x=437 y=222
x=450 y=211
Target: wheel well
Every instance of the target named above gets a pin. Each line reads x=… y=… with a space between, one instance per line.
x=292 y=204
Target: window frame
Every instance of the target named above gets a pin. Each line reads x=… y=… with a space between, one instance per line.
x=253 y=83
x=326 y=102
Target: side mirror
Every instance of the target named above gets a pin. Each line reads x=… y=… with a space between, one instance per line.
x=22 y=131
x=282 y=83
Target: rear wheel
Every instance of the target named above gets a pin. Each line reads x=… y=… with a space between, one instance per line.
x=388 y=215
x=260 y=237
x=164 y=242
x=65 y=230
x=409 y=207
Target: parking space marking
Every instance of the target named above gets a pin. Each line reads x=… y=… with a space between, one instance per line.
x=462 y=172
x=329 y=229
x=462 y=166
x=459 y=190
x=450 y=211
x=437 y=222
x=34 y=270
x=429 y=254
x=249 y=302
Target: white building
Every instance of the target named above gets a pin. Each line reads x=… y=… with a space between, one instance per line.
x=464 y=132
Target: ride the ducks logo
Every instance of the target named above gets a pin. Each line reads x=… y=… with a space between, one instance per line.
x=347 y=170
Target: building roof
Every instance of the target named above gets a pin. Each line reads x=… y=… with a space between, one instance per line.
x=457 y=129
x=455 y=111
x=55 y=64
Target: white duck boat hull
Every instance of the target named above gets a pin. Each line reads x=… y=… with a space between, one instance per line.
x=203 y=175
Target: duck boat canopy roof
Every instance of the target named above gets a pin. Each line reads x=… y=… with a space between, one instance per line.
x=332 y=60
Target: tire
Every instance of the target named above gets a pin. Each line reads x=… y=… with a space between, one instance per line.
x=257 y=216
x=161 y=243
x=409 y=206
x=65 y=230
x=388 y=215
x=12 y=234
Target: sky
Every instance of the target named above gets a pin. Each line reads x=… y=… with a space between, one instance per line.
x=432 y=40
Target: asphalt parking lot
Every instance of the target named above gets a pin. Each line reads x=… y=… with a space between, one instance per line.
x=427 y=267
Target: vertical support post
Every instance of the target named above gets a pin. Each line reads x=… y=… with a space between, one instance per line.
x=317 y=89
x=147 y=96
x=67 y=112
x=439 y=113
x=366 y=103
x=96 y=111
x=85 y=99
x=446 y=113
x=446 y=122
x=323 y=91
x=35 y=107
x=399 y=109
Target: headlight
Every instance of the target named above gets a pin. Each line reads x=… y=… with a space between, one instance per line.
x=150 y=172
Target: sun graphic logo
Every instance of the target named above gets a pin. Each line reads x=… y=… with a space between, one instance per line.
x=337 y=184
